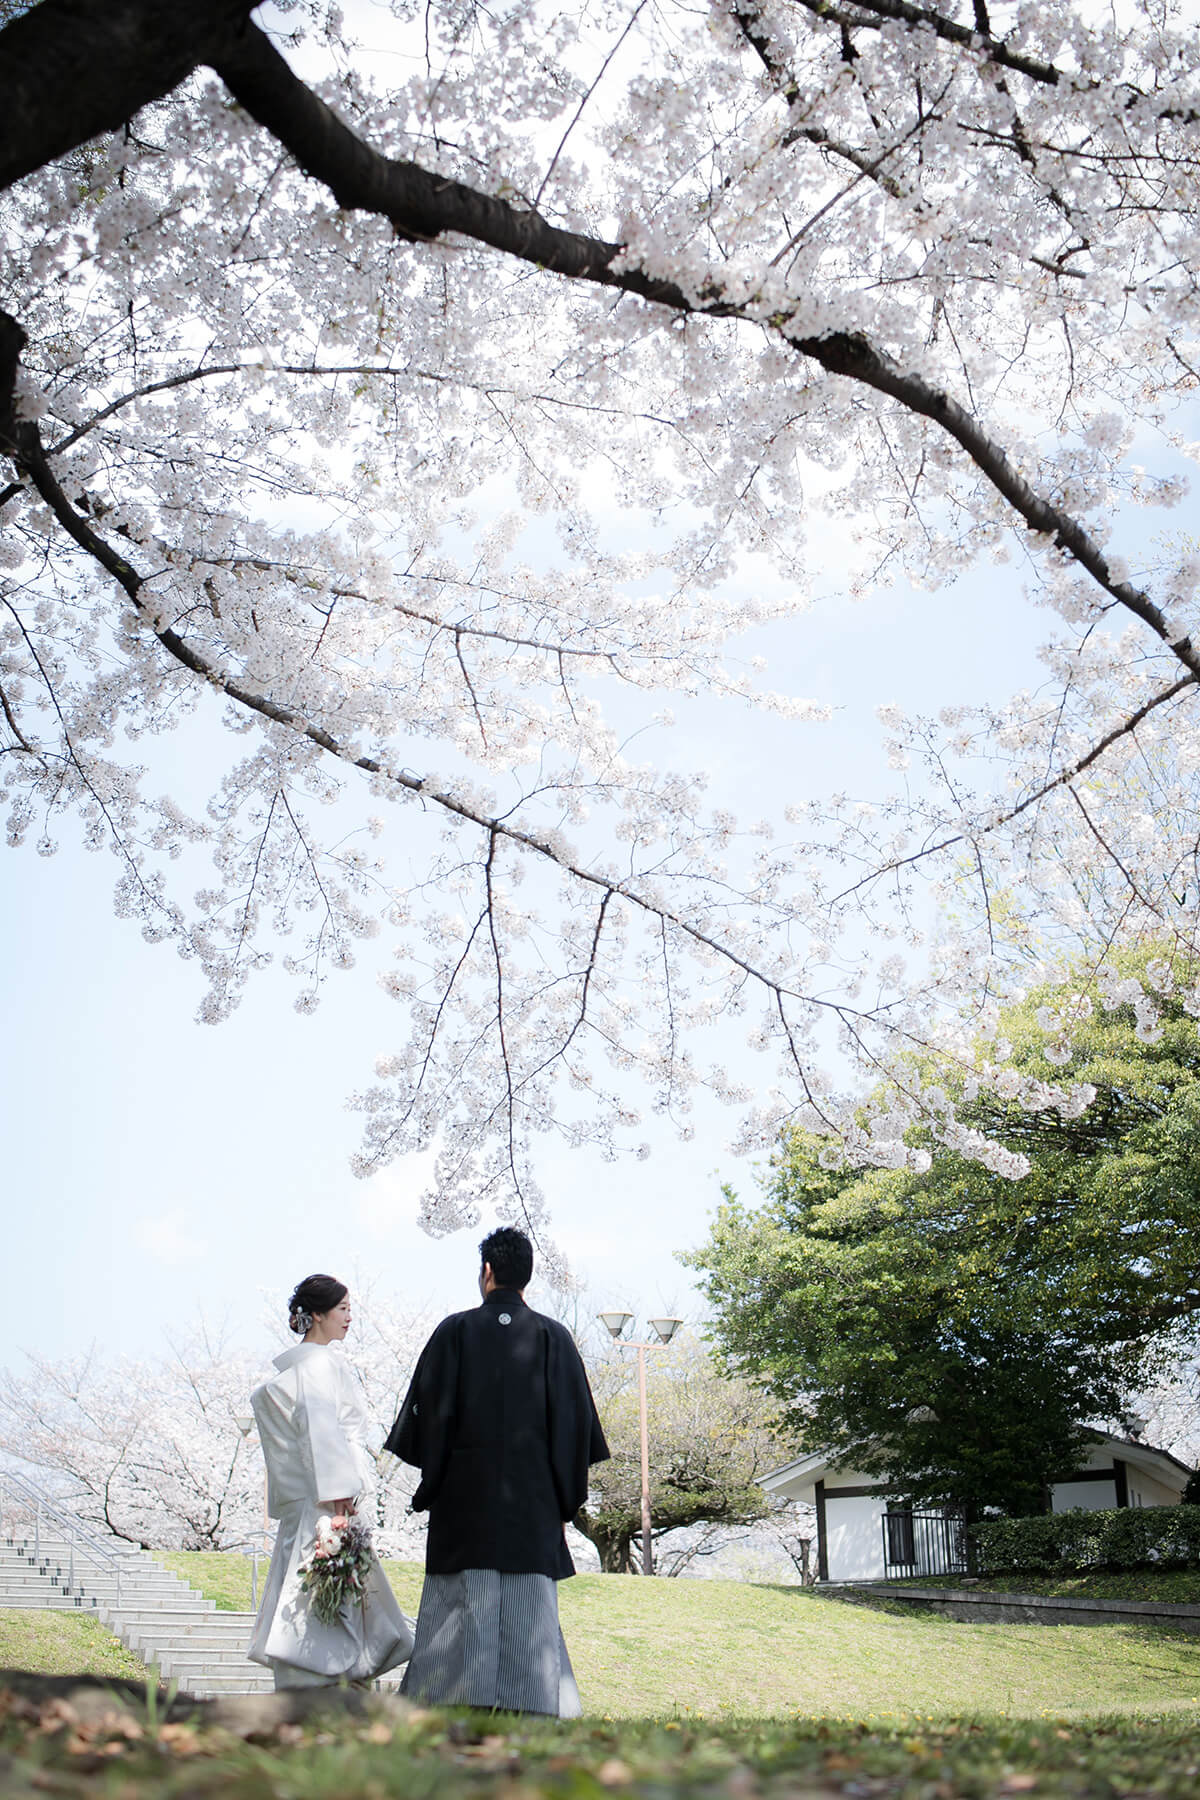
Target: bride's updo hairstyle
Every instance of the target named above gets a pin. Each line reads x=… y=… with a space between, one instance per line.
x=315 y=1294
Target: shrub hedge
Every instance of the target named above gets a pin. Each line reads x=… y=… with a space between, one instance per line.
x=1165 y=1537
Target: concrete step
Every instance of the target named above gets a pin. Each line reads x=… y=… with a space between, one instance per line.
x=148 y=1618
x=148 y=1644
x=56 y=1592
x=135 y=1580
x=127 y=1598
x=45 y=1603
x=199 y=1668
x=132 y=1581
x=86 y=1577
x=49 y=1591
x=202 y=1625
x=61 y=1552
x=189 y=1640
x=206 y=1688
x=114 y=1546
x=146 y=1625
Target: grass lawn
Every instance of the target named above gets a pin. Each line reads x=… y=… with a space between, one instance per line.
x=714 y=1649
x=224 y=1575
x=423 y=1754
x=63 y=1643
x=697 y=1690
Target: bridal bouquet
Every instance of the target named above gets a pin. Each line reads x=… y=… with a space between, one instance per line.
x=339 y=1565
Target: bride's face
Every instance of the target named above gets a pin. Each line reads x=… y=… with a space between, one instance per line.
x=330 y=1327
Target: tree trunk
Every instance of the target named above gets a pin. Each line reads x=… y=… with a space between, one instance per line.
x=614 y=1543
x=616 y=1552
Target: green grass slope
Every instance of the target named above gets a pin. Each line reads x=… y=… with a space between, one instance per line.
x=63 y=1643
x=714 y=1649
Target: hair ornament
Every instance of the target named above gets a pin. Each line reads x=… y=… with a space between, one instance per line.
x=301 y=1320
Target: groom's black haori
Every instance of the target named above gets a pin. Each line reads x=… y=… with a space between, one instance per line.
x=500 y=1420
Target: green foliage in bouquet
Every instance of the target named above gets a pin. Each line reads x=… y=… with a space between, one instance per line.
x=338 y=1567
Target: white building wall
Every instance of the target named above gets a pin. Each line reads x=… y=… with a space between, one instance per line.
x=1090 y=1495
x=1145 y=1491
x=854 y=1537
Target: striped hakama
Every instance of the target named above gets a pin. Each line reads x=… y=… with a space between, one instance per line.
x=491 y=1639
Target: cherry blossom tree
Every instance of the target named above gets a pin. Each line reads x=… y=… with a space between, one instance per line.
x=407 y=405
x=151 y=1450
x=163 y=1451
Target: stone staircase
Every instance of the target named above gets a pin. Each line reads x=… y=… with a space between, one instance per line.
x=155 y=1614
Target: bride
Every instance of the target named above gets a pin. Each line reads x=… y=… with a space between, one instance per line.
x=312 y=1421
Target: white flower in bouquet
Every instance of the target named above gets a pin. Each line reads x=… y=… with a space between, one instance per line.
x=329 y=1534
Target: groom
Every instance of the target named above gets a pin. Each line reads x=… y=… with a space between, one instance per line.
x=500 y=1421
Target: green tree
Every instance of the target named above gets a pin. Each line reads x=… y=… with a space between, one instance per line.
x=711 y=1437
x=954 y=1330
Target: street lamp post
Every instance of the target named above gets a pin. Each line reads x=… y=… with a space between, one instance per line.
x=664 y=1330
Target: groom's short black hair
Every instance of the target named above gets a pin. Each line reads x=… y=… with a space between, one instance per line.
x=511 y=1255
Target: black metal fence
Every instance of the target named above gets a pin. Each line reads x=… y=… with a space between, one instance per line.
x=924 y=1543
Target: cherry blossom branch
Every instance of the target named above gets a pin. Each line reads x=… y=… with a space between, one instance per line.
x=22 y=741
x=585 y=97
x=788 y=89
x=864 y=15
x=1063 y=779
x=21 y=440
x=422 y=206
x=1112 y=855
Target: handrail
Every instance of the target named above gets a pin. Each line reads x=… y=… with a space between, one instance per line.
x=90 y=1547
x=74 y=1525
x=248 y=1547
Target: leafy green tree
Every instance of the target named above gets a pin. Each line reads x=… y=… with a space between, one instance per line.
x=953 y=1330
x=711 y=1437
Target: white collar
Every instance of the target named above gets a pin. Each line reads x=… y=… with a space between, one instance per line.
x=287 y=1358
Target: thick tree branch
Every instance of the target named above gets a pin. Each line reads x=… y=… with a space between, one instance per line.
x=422 y=205
x=871 y=15
x=72 y=69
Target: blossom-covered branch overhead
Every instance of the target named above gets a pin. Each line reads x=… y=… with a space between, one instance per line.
x=268 y=338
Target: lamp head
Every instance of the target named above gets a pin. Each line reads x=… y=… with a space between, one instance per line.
x=244 y=1423
x=616 y=1322
x=665 y=1329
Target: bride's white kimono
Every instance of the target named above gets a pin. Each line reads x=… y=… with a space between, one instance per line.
x=313 y=1425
